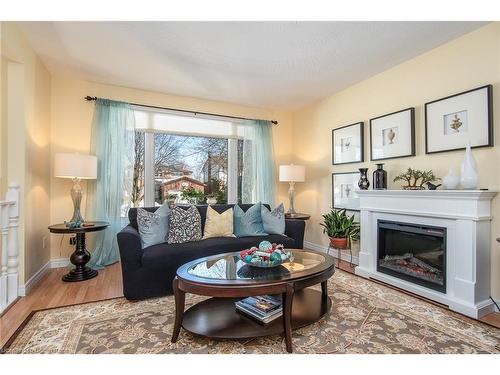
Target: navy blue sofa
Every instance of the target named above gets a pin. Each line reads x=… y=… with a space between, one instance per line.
x=149 y=272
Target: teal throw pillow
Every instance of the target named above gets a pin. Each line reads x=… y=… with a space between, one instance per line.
x=153 y=226
x=273 y=221
x=248 y=223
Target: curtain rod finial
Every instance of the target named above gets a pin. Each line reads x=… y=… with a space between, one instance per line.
x=89 y=98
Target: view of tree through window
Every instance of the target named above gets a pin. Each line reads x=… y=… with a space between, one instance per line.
x=186 y=169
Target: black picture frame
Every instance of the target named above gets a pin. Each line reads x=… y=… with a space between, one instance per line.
x=489 y=103
x=412 y=134
x=358 y=175
x=361 y=125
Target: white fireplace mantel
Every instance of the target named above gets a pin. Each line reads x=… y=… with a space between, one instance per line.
x=466 y=215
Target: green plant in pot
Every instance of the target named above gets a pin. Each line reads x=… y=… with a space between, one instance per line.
x=341 y=228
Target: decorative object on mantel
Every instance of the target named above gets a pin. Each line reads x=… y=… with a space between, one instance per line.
x=292 y=174
x=432 y=186
x=468 y=170
x=451 y=180
x=347 y=144
x=451 y=120
x=341 y=228
x=393 y=135
x=380 y=177
x=363 y=183
x=77 y=167
x=344 y=188
x=415 y=179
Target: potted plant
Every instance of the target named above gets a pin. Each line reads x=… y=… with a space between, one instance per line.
x=415 y=179
x=341 y=228
x=212 y=198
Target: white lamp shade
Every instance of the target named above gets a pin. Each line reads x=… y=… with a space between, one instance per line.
x=67 y=165
x=292 y=173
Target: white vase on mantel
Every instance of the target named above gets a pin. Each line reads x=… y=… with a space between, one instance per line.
x=468 y=177
x=451 y=180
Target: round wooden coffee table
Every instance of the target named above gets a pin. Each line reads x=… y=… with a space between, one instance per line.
x=227 y=279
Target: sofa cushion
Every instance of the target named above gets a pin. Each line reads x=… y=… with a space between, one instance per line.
x=184 y=225
x=166 y=255
x=274 y=221
x=248 y=223
x=218 y=224
x=153 y=226
x=202 y=209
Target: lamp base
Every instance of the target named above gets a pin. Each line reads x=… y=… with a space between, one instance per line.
x=291 y=197
x=76 y=196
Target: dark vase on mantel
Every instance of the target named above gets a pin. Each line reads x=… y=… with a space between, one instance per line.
x=380 y=178
x=363 y=183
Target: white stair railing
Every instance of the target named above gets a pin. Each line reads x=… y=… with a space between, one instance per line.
x=9 y=250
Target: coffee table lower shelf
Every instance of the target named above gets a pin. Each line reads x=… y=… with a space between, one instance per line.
x=217 y=318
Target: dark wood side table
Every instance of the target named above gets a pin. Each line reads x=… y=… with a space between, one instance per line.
x=81 y=256
x=298 y=216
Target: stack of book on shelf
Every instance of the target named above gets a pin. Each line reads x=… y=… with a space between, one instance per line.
x=264 y=309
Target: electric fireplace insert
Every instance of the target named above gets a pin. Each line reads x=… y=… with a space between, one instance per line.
x=413 y=252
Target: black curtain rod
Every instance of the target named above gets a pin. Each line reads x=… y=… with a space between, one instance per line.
x=274 y=122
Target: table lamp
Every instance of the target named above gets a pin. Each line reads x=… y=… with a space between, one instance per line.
x=292 y=174
x=77 y=167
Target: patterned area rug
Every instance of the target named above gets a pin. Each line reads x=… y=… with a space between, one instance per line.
x=365 y=318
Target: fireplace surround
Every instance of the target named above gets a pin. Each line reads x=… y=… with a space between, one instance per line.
x=432 y=243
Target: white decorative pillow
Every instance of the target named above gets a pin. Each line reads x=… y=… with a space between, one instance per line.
x=218 y=225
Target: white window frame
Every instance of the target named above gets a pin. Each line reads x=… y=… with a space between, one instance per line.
x=149 y=154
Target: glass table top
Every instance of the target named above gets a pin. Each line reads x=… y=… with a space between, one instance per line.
x=230 y=267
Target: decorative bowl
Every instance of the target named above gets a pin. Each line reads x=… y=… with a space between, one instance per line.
x=267 y=255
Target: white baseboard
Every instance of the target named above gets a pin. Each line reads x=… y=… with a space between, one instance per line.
x=33 y=280
x=344 y=255
x=59 y=263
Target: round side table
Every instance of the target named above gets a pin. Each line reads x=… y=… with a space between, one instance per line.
x=80 y=256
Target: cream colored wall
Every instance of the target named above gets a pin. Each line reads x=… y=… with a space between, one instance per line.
x=467 y=62
x=27 y=144
x=71 y=126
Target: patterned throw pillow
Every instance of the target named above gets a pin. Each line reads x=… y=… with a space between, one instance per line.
x=153 y=226
x=248 y=223
x=218 y=225
x=274 y=221
x=185 y=225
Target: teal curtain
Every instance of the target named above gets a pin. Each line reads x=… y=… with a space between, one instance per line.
x=258 y=163
x=113 y=140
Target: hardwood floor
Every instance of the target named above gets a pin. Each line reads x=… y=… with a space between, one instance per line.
x=51 y=291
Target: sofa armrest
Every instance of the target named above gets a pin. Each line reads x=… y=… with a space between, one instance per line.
x=129 y=244
x=295 y=229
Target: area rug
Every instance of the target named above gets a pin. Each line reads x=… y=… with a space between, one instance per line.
x=366 y=317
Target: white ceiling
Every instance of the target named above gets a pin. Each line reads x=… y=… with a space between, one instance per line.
x=281 y=65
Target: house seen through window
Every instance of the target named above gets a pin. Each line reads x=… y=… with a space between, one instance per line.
x=177 y=161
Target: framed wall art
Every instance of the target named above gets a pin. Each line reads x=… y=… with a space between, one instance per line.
x=347 y=144
x=344 y=187
x=393 y=135
x=452 y=121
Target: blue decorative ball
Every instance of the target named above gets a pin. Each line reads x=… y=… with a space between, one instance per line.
x=265 y=245
x=248 y=258
x=275 y=257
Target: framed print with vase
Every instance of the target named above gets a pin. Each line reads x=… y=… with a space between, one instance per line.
x=393 y=135
x=452 y=121
x=344 y=187
x=347 y=144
